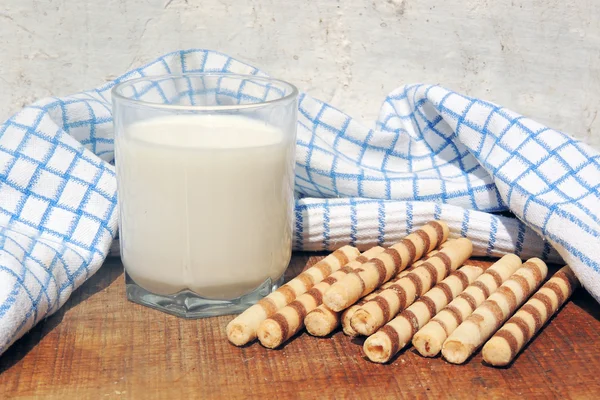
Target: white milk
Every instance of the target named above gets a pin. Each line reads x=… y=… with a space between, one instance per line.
x=206 y=203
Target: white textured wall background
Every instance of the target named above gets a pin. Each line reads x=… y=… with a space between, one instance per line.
x=538 y=57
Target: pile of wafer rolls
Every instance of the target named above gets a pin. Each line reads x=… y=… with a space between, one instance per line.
x=417 y=291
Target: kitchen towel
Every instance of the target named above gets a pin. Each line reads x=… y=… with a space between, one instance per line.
x=433 y=154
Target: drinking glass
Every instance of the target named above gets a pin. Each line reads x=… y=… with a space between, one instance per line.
x=205 y=176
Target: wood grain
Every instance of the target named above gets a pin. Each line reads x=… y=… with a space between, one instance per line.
x=102 y=346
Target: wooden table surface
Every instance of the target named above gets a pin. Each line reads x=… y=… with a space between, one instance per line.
x=101 y=346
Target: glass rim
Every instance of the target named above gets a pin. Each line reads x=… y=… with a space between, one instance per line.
x=116 y=92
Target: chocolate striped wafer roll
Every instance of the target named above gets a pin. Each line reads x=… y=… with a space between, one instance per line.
x=375 y=313
x=412 y=267
x=242 y=329
x=383 y=267
x=389 y=340
x=490 y=315
x=429 y=339
x=322 y=321
x=347 y=314
x=286 y=322
x=502 y=348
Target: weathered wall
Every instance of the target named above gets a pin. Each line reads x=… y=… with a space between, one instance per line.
x=539 y=57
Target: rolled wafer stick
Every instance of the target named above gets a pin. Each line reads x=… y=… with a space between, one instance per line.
x=412 y=267
x=502 y=348
x=286 y=322
x=375 y=313
x=347 y=314
x=492 y=313
x=322 y=321
x=429 y=339
x=389 y=340
x=242 y=329
x=383 y=267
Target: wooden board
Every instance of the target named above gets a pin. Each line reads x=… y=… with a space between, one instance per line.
x=101 y=346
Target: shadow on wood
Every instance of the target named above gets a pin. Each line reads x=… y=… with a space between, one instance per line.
x=110 y=270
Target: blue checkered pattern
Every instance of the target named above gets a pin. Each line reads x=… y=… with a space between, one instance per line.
x=434 y=154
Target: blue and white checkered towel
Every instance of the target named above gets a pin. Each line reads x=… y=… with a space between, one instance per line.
x=433 y=154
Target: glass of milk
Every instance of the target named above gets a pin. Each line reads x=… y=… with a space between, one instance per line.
x=205 y=172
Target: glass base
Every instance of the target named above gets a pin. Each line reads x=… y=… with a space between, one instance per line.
x=187 y=304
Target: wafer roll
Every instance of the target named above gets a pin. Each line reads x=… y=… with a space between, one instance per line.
x=375 y=313
x=502 y=348
x=490 y=315
x=322 y=321
x=389 y=340
x=348 y=313
x=412 y=267
x=384 y=266
x=429 y=339
x=243 y=328
x=286 y=322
